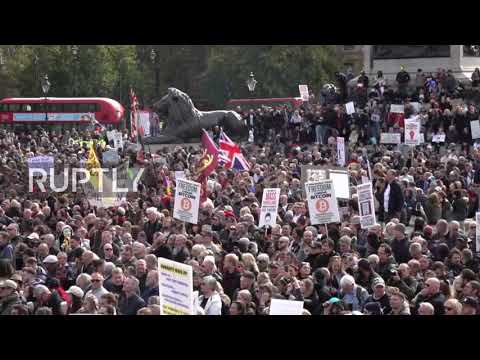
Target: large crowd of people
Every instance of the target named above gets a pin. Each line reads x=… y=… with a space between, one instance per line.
x=61 y=255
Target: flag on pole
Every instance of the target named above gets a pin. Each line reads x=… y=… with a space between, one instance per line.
x=231 y=156
x=209 y=160
x=93 y=164
x=133 y=116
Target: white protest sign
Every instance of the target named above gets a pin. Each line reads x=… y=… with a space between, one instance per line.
x=179 y=175
x=375 y=118
x=41 y=162
x=412 y=132
x=110 y=135
x=175 y=284
x=365 y=179
x=390 y=138
x=286 y=307
x=398 y=109
x=341 y=183
x=322 y=203
x=438 y=138
x=421 y=138
x=187 y=201
x=268 y=212
x=341 y=151
x=366 y=205
x=111 y=157
x=304 y=92
x=117 y=140
x=475 y=127
x=144 y=122
x=350 y=108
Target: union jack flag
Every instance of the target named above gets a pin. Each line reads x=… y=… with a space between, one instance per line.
x=230 y=154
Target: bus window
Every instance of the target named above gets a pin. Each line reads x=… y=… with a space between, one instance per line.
x=55 y=108
x=14 y=107
x=26 y=108
x=39 y=108
x=3 y=107
x=93 y=108
x=70 y=108
x=83 y=108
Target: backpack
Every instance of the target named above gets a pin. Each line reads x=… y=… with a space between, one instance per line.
x=358 y=294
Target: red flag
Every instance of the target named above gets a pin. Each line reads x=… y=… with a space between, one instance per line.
x=209 y=161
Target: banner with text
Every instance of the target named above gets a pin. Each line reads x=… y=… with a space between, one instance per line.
x=187 y=201
x=390 y=138
x=322 y=203
x=412 y=132
x=366 y=205
x=304 y=92
x=268 y=212
x=341 y=151
x=175 y=285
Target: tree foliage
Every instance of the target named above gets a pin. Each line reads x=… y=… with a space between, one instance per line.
x=211 y=72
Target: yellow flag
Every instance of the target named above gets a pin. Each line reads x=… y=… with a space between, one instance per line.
x=92 y=166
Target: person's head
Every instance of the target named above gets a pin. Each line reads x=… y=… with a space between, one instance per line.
x=391 y=175
x=378 y=287
x=247 y=280
x=152 y=279
x=208 y=265
x=7 y=288
x=397 y=301
x=108 y=299
x=347 y=284
x=107 y=310
x=131 y=285
x=117 y=276
x=263 y=261
x=472 y=288
x=209 y=285
x=470 y=306
x=97 y=280
x=41 y=293
x=83 y=281
x=230 y=262
x=424 y=262
x=415 y=250
x=127 y=252
x=237 y=308
x=426 y=308
x=452 y=307
x=151 y=261
x=244 y=296
x=384 y=253
x=90 y=304
x=432 y=285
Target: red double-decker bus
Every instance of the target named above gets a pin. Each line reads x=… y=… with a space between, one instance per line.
x=62 y=112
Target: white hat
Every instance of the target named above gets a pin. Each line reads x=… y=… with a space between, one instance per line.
x=50 y=259
x=33 y=235
x=76 y=291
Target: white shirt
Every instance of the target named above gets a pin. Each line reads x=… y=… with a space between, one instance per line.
x=386 y=197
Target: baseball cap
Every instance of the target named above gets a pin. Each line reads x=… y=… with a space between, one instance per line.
x=378 y=281
x=33 y=235
x=471 y=301
x=50 y=259
x=333 y=300
x=76 y=291
x=8 y=284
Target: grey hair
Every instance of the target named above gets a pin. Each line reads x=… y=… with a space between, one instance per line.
x=347 y=280
x=428 y=306
x=39 y=290
x=83 y=277
x=211 y=282
x=263 y=256
x=109 y=266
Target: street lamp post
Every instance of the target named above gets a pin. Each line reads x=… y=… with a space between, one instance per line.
x=251 y=83
x=153 y=57
x=45 y=89
x=75 y=58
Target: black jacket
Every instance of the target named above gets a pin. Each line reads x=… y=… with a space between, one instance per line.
x=230 y=283
x=396 y=199
x=401 y=250
x=384 y=302
x=130 y=306
x=150 y=229
x=436 y=300
x=163 y=251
